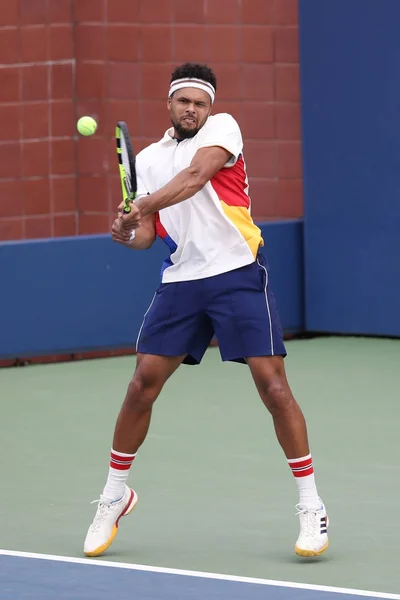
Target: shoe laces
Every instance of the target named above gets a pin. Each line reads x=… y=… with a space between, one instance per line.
x=310 y=524
x=101 y=514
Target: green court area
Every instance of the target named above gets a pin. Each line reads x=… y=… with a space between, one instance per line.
x=215 y=491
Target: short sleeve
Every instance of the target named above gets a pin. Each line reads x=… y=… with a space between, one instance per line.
x=225 y=132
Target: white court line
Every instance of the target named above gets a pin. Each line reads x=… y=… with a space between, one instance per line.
x=233 y=578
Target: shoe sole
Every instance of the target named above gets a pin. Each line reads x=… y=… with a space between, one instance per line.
x=309 y=553
x=127 y=510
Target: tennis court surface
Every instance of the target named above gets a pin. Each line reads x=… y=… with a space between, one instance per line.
x=216 y=515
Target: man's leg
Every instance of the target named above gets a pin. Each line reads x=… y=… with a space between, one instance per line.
x=270 y=378
x=246 y=322
x=133 y=421
x=131 y=429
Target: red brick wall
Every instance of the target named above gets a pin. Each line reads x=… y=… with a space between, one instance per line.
x=112 y=59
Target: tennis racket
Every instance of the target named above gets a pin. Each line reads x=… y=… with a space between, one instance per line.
x=126 y=162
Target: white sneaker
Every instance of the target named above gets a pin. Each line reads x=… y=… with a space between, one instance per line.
x=104 y=527
x=313 y=537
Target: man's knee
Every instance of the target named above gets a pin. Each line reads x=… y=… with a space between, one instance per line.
x=144 y=388
x=270 y=379
x=275 y=393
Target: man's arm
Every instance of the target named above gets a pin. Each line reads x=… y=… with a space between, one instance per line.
x=205 y=164
x=145 y=234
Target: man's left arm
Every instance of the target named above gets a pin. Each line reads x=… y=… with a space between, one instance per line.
x=205 y=164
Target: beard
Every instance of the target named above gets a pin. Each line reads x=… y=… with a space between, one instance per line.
x=182 y=132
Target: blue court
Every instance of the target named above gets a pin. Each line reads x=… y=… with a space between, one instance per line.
x=28 y=576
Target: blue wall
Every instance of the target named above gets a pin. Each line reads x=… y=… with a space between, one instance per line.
x=350 y=88
x=87 y=293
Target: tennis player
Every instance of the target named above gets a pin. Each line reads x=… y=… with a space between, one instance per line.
x=193 y=193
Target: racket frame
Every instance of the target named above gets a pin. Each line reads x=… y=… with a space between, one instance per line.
x=128 y=183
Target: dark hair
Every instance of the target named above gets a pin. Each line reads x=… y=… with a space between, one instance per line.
x=195 y=70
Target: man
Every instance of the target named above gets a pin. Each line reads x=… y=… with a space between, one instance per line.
x=193 y=193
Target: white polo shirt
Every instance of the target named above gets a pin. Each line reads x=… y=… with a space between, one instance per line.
x=212 y=232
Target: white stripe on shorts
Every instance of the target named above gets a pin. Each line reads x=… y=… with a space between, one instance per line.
x=269 y=312
x=144 y=318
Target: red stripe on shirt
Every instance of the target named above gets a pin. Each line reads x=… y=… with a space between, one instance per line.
x=231 y=184
x=160 y=229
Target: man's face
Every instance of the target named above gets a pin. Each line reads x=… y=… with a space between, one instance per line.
x=190 y=109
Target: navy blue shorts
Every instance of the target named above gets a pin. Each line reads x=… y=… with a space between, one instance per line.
x=237 y=307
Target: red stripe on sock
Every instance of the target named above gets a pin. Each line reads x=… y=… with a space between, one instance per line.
x=121 y=458
x=304 y=473
x=300 y=463
x=121 y=463
x=302 y=468
x=119 y=467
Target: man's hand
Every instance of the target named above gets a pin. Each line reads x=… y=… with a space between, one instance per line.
x=122 y=228
x=119 y=234
x=131 y=220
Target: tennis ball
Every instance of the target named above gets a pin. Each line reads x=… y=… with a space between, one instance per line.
x=86 y=126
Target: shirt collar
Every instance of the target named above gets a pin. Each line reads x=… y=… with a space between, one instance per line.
x=168 y=135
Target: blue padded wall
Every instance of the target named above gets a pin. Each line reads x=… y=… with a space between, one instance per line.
x=78 y=294
x=350 y=89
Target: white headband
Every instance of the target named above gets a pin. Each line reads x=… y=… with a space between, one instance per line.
x=200 y=84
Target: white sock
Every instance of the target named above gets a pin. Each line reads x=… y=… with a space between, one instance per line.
x=118 y=472
x=303 y=471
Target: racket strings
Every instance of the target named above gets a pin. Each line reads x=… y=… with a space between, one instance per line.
x=126 y=165
x=127 y=170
